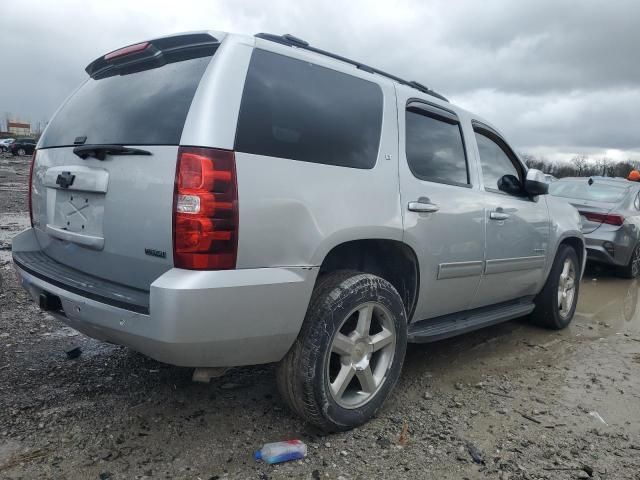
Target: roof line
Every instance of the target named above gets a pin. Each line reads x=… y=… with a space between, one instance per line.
x=291 y=41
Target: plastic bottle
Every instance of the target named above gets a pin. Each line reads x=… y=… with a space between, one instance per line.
x=281 y=451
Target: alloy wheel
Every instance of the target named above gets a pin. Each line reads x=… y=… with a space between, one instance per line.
x=635 y=262
x=566 y=288
x=361 y=355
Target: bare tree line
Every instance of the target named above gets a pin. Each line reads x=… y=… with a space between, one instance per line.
x=582 y=166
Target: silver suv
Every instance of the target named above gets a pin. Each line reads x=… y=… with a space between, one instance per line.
x=215 y=200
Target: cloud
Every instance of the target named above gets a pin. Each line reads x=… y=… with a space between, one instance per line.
x=586 y=120
x=555 y=76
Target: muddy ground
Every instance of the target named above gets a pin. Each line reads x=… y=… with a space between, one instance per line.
x=529 y=403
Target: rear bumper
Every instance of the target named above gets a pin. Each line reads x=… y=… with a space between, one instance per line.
x=195 y=319
x=612 y=247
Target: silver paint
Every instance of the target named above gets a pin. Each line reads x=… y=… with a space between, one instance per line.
x=474 y=247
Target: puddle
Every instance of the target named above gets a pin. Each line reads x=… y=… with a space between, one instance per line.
x=6 y=169
x=608 y=306
x=13 y=186
x=10 y=225
x=8 y=449
x=63 y=332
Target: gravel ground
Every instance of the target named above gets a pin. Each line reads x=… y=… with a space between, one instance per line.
x=508 y=402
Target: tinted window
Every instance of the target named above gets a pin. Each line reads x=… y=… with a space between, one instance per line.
x=143 y=108
x=597 y=192
x=494 y=161
x=435 y=151
x=297 y=110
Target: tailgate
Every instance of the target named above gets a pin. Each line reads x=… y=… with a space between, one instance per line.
x=104 y=172
x=114 y=219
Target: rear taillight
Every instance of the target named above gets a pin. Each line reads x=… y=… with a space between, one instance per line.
x=610 y=219
x=33 y=161
x=205 y=216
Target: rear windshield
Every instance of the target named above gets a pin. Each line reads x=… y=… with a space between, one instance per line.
x=597 y=192
x=142 y=108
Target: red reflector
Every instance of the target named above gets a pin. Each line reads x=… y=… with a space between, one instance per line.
x=609 y=219
x=33 y=161
x=205 y=216
x=121 y=52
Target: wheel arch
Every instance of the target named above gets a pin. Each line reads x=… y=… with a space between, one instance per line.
x=393 y=260
x=577 y=243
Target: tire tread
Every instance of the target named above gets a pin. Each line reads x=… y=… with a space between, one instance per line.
x=295 y=374
x=545 y=314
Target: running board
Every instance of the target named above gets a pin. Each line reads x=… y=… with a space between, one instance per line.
x=438 y=328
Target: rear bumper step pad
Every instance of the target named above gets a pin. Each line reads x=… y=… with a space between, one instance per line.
x=43 y=267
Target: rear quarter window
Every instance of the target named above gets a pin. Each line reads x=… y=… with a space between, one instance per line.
x=298 y=110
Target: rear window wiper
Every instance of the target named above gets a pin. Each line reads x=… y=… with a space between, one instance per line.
x=101 y=151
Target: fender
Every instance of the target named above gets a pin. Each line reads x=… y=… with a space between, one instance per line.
x=564 y=224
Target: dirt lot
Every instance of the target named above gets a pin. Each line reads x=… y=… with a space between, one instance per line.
x=531 y=403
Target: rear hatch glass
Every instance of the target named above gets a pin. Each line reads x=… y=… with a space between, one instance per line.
x=109 y=213
x=143 y=108
x=589 y=196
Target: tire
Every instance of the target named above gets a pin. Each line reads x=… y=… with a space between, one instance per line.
x=550 y=312
x=632 y=269
x=22 y=152
x=325 y=352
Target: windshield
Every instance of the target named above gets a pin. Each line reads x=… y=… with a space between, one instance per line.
x=148 y=107
x=597 y=192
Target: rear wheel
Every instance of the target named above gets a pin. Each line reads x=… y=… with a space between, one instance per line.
x=349 y=353
x=632 y=269
x=556 y=303
x=22 y=152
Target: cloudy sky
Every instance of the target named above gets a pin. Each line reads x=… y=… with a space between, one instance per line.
x=558 y=77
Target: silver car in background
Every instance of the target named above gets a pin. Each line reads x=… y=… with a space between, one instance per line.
x=610 y=213
x=5 y=143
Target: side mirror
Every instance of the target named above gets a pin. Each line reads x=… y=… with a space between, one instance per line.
x=536 y=183
x=510 y=184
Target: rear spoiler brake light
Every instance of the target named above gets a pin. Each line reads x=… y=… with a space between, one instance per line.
x=121 y=52
x=152 y=54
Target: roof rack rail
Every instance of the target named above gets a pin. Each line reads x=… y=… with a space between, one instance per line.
x=291 y=41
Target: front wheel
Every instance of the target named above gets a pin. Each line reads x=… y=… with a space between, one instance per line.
x=22 y=152
x=556 y=303
x=349 y=353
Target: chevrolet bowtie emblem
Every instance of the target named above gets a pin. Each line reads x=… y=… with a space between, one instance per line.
x=65 y=179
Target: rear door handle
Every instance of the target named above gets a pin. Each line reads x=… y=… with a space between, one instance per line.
x=498 y=215
x=423 y=207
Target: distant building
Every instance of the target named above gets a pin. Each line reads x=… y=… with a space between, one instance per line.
x=19 y=129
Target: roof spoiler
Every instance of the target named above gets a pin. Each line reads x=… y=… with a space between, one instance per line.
x=292 y=41
x=152 y=54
